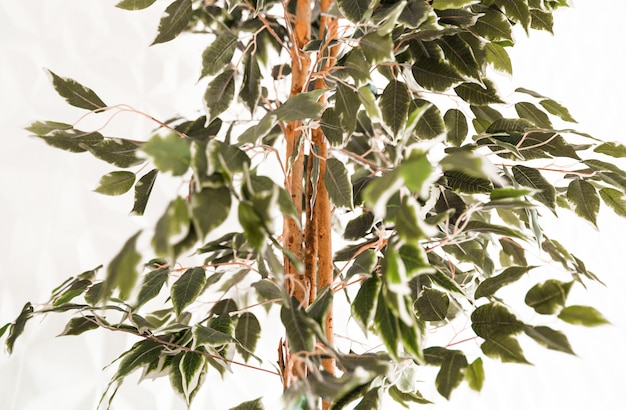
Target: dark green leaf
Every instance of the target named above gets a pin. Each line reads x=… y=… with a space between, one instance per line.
x=249 y=405
x=252 y=224
x=142 y=353
x=456 y=125
x=614 y=199
x=414 y=14
x=76 y=94
x=533 y=114
x=247 y=333
x=301 y=106
x=460 y=55
x=347 y=103
x=208 y=336
x=210 y=208
x=187 y=288
x=170 y=153
x=174 y=22
x=78 y=287
x=517 y=10
x=531 y=177
x=450 y=374
x=464 y=183
x=582 y=315
x=490 y=285
x=217 y=56
x=70 y=139
x=117 y=151
x=476 y=94
x=220 y=93
x=475 y=374
x=370 y=401
x=432 y=305
x=152 y=284
x=434 y=74
x=394 y=105
x=363 y=264
x=430 y=124
x=386 y=325
x=17 y=327
x=359 y=226
x=143 y=188
x=79 y=325
x=376 y=48
x=557 y=109
x=122 y=271
x=192 y=368
x=494 y=320
x=251 y=86
x=364 y=304
x=493 y=25
x=550 y=338
x=116 y=183
x=355 y=10
x=300 y=333
x=134 y=4
x=331 y=125
x=407 y=397
x=585 y=199
x=548 y=297
x=505 y=348
x=338 y=184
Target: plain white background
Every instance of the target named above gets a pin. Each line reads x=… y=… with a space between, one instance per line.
x=53 y=226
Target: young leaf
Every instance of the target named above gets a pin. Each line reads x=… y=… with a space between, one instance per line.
x=585 y=199
x=247 y=333
x=548 y=297
x=143 y=188
x=475 y=374
x=134 y=4
x=187 y=288
x=122 y=271
x=151 y=286
x=550 y=338
x=505 y=348
x=490 y=285
x=178 y=15
x=220 y=93
x=170 y=153
x=582 y=315
x=614 y=199
x=76 y=94
x=394 y=105
x=116 y=183
x=17 y=327
x=338 y=184
x=79 y=325
x=218 y=55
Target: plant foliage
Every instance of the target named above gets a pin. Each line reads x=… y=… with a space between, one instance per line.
x=437 y=188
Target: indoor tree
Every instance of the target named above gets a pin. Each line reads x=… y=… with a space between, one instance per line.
x=378 y=172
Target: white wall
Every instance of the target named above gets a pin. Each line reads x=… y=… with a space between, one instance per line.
x=54 y=227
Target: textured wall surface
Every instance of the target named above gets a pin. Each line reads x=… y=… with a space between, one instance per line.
x=53 y=226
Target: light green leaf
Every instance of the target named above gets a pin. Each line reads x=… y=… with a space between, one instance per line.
x=218 y=54
x=247 y=333
x=541 y=20
x=490 y=285
x=582 y=315
x=415 y=171
x=170 y=153
x=585 y=199
x=548 y=297
x=210 y=208
x=475 y=374
x=134 y=4
x=301 y=106
x=432 y=305
x=394 y=105
x=187 y=288
x=122 y=271
x=152 y=284
x=550 y=338
x=517 y=10
x=434 y=74
x=79 y=325
x=531 y=177
x=557 y=109
x=143 y=188
x=116 y=183
x=76 y=94
x=613 y=149
x=452 y=4
x=249 y=405
x=493 y=320
x=450 y=374
x=220 y=93
x=614 y=199
x=498 y=57
x=505 y=348
x=456 y=125
x=338 y=184
x=171 y=227
x=17 y=327
x=178 y=15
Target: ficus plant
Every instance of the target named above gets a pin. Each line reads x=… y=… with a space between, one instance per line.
x=378 y=175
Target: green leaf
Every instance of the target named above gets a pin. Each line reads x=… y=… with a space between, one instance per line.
x=171 y=227
x=187 y=288
x=548 y=297
x=498 y=58
x=208 y=336
x=258 y=131
x=359 y=226
x=462 y=182
x=117 y=151
x=557 y=109
x=531 y=177
x=134 y=4
x=347 y=103
x=450 y=374
x=394 y=105
x=122 y=271
x=613 y=149
x=582 y=315
x=456 y=125
x=251 y=85
x=451 y=4
x=541 y=20
x=220 y=93
x=170 y=153
x=585 y=199
x=476 y=94
x=493 y=25
x=17 y=327
x=192 y=367
x=152 y=284
x=386 y=325
x=355 y=10
x=300 y=333
x=249 y=405
x=76 y=94
x=116 y=183
x=533 y=114
x=517 y=10
x=301 y=106
x=460 y=55
x=615 y=200
x=430 y=123
x=505 y=348
x=70 y=139
x=376 y=48
x=434 y=74
x=78 y=287
x=79 y=325
x=493 y=320
x=415 y=170
x=247 y=333
x=143 y=188
x=364 y=304
x=432 y=305
x=142 y=353
x=252 y=224
x=475 y=374
x=338 y=184
x=490 y=285
x=4 y=328
x=178 y=15
x=550 y=338
x=210 y=208
x=331 y=126
x=218 y=54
